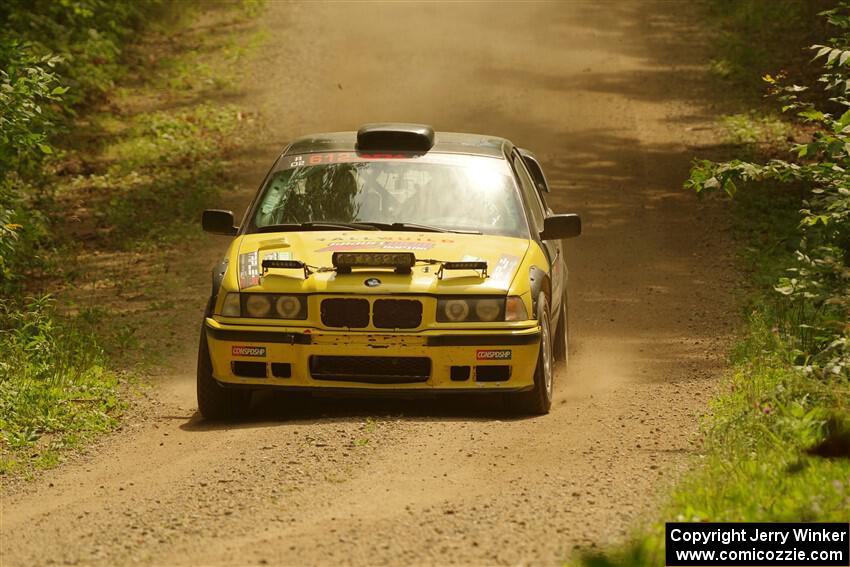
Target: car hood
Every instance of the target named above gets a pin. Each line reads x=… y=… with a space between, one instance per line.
x=503 y=255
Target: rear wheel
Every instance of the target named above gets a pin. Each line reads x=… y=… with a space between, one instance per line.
x=538 y=400
x=214 y=401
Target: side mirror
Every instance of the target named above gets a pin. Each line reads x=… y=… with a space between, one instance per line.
x=558 y=227
x=218 y=221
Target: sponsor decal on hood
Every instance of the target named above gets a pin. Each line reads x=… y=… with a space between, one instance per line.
x=342 y=245
x=502 y=254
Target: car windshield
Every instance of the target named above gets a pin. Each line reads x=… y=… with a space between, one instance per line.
x=438 y=191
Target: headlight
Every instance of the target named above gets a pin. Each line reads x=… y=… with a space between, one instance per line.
x=231 y=306
x=515 y=309
x=257 y=305
x=265 y=306
x=470 y=309
x=288 y=306
x=487 y=309
x=456 y=310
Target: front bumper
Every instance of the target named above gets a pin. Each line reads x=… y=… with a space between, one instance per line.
x=446 y=361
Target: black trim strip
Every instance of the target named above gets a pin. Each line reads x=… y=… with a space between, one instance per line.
x=259 y=336
x=373 y=294
x=434 y=341
x=333 y=391
x=482 y=340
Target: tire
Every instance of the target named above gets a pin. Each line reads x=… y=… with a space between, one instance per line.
x=561 y=338
x=538 y=400
x=214 y=401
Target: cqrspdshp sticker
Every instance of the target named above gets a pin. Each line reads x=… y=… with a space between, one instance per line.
x=490 y=354
x=238 y=350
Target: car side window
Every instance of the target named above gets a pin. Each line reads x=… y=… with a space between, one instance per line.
x=530 y=193
x=539 y=179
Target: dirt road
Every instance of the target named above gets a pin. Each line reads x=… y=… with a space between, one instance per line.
x=612 y=96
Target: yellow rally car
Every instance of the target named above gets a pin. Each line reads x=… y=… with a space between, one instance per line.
x=390 y=259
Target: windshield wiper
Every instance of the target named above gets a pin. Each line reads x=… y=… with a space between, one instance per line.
x=316 y=225
x=413 y=227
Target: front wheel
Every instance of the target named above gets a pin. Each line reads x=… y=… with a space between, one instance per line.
x=215 y=402
x=538 y=400
x=561 y=338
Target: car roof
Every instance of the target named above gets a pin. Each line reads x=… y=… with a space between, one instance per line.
x=444 y=142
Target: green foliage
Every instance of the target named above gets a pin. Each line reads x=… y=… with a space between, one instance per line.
x=759 y=36
x=22 y=231
x=86 y=35
x=54 y=56
x=816 y=286
x=8 y=235
x=29 y=90
x=28 y=84
x=54 y=389
x=59 y=58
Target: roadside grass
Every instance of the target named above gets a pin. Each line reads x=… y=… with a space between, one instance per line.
x=764 y=442
x=764 y=131
x=174 y=158
x=56 y=390
x=119 y=198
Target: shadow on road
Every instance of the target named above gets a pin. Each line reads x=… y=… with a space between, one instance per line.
x=297 y=408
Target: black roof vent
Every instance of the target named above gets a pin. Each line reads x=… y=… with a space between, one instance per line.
x=391 y=136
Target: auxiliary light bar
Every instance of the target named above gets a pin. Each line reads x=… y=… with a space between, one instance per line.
x=402 y=262
x=477 y=265
x=285 y=265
